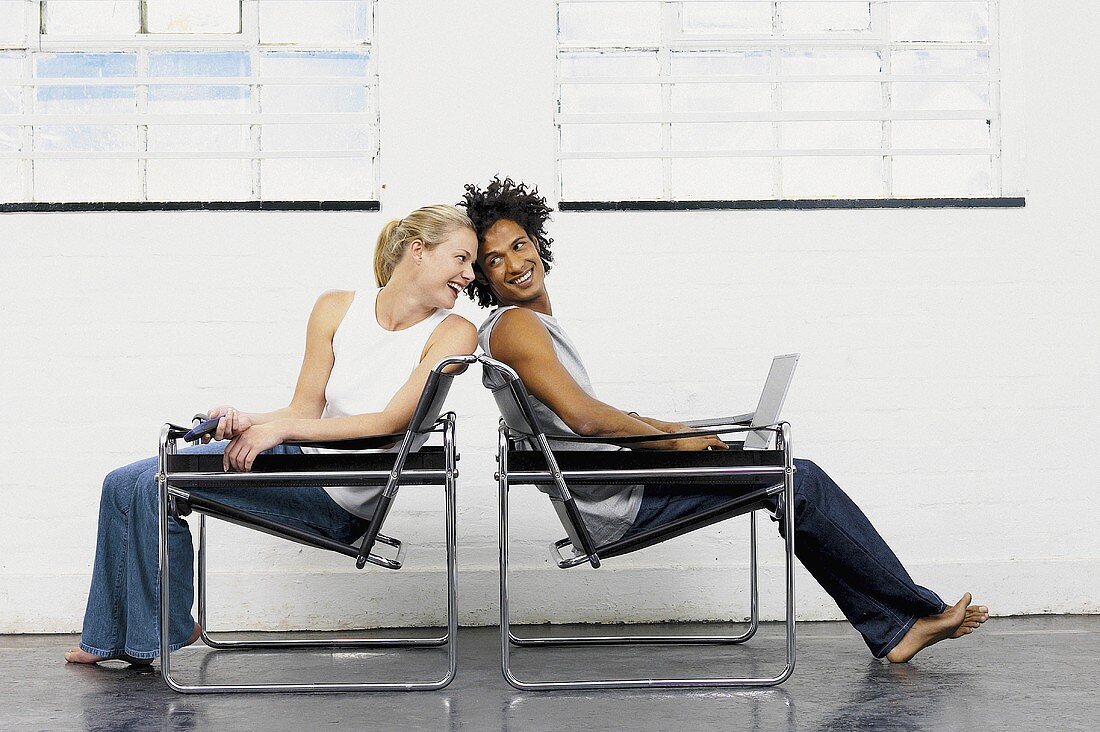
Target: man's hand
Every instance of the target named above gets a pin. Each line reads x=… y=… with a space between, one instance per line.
x=232 y=423
x=703 y=442
x=242 y=450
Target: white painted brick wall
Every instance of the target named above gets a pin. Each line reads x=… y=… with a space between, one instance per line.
x=950 y=378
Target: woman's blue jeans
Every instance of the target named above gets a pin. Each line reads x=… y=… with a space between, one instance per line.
x=836 y=542
x=124 y=600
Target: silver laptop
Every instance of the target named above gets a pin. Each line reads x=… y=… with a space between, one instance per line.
x=771 y=401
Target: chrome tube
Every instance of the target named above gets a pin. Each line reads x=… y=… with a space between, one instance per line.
x=537 y=477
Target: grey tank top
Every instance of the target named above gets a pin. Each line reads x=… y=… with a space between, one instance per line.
x=608 y=510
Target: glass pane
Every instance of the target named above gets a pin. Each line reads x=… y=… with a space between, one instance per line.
x=610 y=98
x=831 y=135
x=92 y=17
x=832 y=177
x=823 y=62
x=193 y=16
x=930 y=61
x=610 y=180
x=733 y=63
x=11 y=181
x=78 y=99
x=722 y=178
x=194 y=98
x=326 y=138
x=721 y=97
x=917 y=176
x=723 y=136
x=13 y=24
x=939 y=21
x=200 y=138
x=198 y=180
x=315 y=21
x=86 y=180
x=295 y=99
x=315 y=63
x=939 y=95
x=11 y=67
x=610 y=138
x=11 y=139
x=630 y=23
x=728 y=17
x=599 y=63
x=323 y=179
x=838 y=96
x=817 y=17
x=85 y=138
x=947 y=133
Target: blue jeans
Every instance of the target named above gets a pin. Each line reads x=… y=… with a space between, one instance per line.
x=836 y=542
x=124 y=600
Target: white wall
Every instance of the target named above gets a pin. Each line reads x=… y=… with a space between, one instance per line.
x=949 y=379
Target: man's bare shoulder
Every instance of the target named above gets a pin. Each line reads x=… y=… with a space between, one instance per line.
x=519 y=333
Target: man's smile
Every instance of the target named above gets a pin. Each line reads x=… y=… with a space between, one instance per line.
x=523 y=279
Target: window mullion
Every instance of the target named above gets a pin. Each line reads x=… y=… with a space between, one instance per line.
x=777 y=101
x=669 y=19
x=250 y=29
x=880 y=24
x=996 y=172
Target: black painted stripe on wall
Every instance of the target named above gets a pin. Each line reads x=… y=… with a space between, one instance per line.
x=793 y=204
x=193 y=206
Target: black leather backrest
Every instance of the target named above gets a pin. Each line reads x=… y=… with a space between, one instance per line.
x=513 y=401
x=431 y=401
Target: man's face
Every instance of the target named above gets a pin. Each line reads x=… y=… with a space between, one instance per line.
x=510 y=262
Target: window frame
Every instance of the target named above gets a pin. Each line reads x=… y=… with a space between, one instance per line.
x=1006 y=159
x=36 y=41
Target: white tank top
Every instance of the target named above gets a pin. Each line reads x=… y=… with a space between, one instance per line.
x=370 y=364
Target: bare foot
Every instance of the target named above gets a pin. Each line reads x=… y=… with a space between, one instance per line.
x=79 y=655
x=960 y=619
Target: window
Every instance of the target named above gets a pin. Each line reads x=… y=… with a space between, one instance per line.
x=665 y=103
x=187 y=104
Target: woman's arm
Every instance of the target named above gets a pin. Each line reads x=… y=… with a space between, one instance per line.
x=454 y=336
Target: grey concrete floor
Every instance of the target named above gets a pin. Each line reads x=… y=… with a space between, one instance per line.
x=1034 y=673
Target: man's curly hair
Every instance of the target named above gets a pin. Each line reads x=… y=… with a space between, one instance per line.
x=506 y=199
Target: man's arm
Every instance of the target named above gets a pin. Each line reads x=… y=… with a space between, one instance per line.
x=520 y=340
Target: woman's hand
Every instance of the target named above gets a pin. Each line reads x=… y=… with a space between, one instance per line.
x=703 y=442
x=232 y=423
x=242 y=450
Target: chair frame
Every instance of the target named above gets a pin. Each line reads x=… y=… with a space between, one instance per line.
x=424 y=421
x=554 y=476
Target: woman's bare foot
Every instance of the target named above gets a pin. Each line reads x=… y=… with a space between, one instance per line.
x=960 y=619
x=79 y=655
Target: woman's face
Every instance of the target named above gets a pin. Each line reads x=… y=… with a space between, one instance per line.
x=447 y=268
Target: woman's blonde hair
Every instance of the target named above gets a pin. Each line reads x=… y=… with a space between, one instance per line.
x=430 y=224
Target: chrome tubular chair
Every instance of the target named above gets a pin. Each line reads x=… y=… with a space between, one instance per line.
x=752 y=478
x=178 y=474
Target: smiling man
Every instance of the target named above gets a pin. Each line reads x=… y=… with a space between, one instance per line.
x=834 y=540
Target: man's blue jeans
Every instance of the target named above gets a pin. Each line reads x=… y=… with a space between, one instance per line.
x=124 y=600
x=836 y=542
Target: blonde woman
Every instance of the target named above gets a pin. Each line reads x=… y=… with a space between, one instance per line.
x=367 y=356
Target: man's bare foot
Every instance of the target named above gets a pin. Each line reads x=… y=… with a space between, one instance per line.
x=79 y=655
x=960 y=619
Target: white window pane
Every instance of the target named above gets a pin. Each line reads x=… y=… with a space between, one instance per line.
x=831 y=135
x=326 y=138
x=202 y=99
x=11 y=67
x=11 y=181
x=734 y=63
x=198 y=180
x=918 y=176
x=745 y=97
x=611 y=180
x=939 y=21
x=91 y=17
x=294 y=99
x=322 y=179
x=13 y=24
x=9 y=99
x=819 y=62
x=78 y=99
x=832 y=177
x=940 y=95
x=199 y=63
x=610 y=138
x=315 y=63
x=85 y=138
x=11 y=138
x=947 y=133
x=86 y=180
x=610 y=98
x=314 y=21
x=728 y=17
x=599 y=23
x=723 y=136
x=597 y=63
x=816 y=17
x=722 y=178
x=833 y=97
x=193 y=16
x=933 y=61
x=200 y=138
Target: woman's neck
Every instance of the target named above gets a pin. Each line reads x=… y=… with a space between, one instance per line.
x=397 y=306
